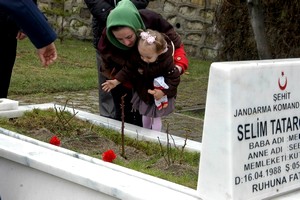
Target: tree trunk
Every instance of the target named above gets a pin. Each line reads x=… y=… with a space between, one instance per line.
x=257 y=21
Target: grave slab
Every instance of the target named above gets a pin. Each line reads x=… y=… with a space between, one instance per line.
x=9 y=108
x=35 y=171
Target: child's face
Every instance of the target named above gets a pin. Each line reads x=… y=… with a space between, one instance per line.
x=148 y=53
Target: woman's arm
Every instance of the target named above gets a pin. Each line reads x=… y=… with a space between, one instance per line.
x=31 y=20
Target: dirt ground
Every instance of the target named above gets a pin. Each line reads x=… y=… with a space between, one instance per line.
x=89 y=143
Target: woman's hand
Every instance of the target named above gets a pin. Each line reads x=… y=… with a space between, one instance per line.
x=47 y=54
x=21 y=35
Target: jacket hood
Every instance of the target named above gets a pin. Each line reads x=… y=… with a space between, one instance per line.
x=124 y=14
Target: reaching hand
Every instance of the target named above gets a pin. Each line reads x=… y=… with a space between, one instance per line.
x=108 y=85
x=47 y=54
x=21 y=36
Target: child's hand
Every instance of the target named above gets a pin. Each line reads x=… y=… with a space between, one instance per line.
x=108 y=85
x=157 y=93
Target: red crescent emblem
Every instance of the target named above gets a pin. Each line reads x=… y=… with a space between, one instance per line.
x=282 y=87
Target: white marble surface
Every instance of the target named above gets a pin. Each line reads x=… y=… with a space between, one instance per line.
x=19 y=182
x=8 y=104
x=239 y=158
x=107 y=178
x=11 y=113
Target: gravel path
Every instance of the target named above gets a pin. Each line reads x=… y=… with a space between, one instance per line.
x=178 y=123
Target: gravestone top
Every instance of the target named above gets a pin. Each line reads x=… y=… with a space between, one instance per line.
x=251 y=134
x=8 y=104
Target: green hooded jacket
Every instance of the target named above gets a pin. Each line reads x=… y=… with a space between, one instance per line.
x=124 y=14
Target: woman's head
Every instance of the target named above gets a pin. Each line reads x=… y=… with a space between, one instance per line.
x=123 y=18
x=125 y=35
x=151 y=44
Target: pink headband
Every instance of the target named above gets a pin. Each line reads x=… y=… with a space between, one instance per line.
x=149 y=38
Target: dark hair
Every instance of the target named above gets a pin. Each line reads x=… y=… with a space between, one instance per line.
x=116 y=28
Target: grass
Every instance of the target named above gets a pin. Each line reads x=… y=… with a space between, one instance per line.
x=75 y=70
x=195 y=113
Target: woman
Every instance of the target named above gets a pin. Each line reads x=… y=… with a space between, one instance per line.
x=100 y=10
x=119 y=40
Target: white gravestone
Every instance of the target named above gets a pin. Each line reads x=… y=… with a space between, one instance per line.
x=8 y=104
x=251 y=134
x=9 y=108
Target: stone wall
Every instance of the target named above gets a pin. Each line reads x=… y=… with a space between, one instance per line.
x=193 y=20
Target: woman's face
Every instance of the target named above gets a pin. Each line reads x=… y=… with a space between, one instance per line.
x=126 y=36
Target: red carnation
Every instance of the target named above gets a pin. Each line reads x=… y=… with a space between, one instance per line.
x=55 y=141
x=109 y=156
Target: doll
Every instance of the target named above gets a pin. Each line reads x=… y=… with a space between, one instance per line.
x=159 y=83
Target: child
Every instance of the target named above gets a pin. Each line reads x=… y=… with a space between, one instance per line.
x=152 y=59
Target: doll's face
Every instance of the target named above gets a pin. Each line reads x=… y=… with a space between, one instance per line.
x=126 y=36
